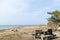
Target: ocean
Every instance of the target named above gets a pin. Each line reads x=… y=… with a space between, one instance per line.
x=8 y=26
x=13 y=26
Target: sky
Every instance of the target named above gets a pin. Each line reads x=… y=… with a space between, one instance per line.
x=26 y=12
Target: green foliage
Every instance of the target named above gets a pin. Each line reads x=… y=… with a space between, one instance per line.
x=55 y=16
x=55 y=13
x=54 y=19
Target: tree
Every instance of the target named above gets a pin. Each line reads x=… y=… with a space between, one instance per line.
x=54 y=19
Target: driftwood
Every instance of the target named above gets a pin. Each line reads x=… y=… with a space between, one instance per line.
x=44 y=35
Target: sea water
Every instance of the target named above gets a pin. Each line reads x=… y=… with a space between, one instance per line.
x=14 y=26
x=8 y=26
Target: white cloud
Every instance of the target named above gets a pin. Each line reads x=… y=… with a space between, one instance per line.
x=11 y=8
x=25 y=11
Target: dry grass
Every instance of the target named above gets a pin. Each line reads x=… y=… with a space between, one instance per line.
x=23 y=33
x=11 y=37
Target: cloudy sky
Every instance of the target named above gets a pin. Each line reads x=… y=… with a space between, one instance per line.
x=26 y=12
